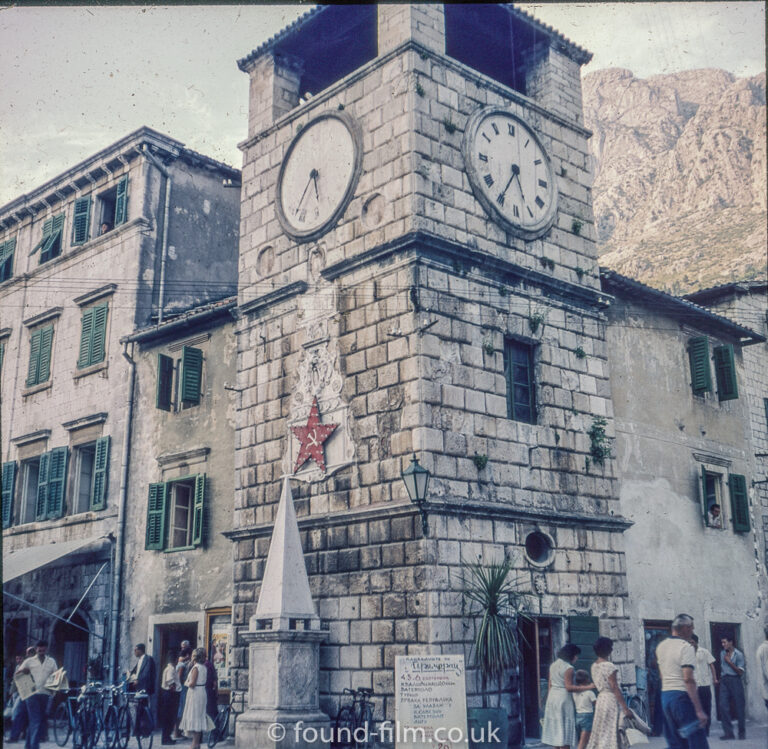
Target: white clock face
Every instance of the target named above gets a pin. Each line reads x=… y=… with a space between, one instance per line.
x=510 y=172
x=318 y=176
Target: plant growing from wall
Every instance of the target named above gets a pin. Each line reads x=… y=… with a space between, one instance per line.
x=580 y=272
x=599 y=442
x=419 y=89
x=535 y=319
x=576 y=226
x=580 y=353
x=450 y=128
x=480 y=461
x=488 y=347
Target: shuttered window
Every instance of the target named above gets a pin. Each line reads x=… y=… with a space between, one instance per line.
x=191 y=375
x=725 y=373
x=698 y=355
x=518 y=373
x=164 y=392
x=8 y=485
x=57 y=481
x=93 y=336
x=737 y=486
x=81 y=221
x=7 y=251
x=41 y=507
x=39 y=369
x=121 y=202
x=50 y=244
x=583 y=631
x=176 y=514
x=100 y=474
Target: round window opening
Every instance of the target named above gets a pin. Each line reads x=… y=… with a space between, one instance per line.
x=539 y=548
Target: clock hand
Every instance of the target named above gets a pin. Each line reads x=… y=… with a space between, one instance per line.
x=515 y=172
x=520 y=185
x=312 y=176
x=315 y=174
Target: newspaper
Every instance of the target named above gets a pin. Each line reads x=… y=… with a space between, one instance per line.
x=25 y=684
x=58 y=680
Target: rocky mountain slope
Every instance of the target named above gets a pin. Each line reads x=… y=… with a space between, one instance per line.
x=680 y=175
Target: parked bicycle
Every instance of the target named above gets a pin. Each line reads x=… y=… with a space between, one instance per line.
x=64 y=717
x=635 y=702
x=220 y=729
x=141 y=719
x=354 y=721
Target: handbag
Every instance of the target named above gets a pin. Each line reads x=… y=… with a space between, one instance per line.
x=634 y=737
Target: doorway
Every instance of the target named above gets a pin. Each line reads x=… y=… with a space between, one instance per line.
x=537 y=644
x=70 y=648
x=169 y=637
x=15 y=638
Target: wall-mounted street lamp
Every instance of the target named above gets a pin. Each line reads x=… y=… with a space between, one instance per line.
x=416 y=479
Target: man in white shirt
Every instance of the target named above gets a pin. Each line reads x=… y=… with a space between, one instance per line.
x=705 y=675
x=40 y=666
x=762 y=659
x=168 y=704
x=684 y=720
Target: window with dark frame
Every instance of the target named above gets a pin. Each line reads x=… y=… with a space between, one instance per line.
x=30 y=479
x=50 y=244
x=519 y=377
x=39 y=367
x=93 y=336
x=81 y=220
x=7 y=251
x=186 y=391
x=113 y=206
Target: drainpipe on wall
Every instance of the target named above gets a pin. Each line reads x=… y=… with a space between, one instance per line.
x=117 y=573
x=166 y=211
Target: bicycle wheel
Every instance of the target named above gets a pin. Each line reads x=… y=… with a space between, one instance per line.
x=98 y=725
x=110 y=727
x=83 y=730
x=61 y=725
x=145 y=726
x=345 y=727
x=220 y=728
x=636 y=703
x=123 y=728
x=365 y=726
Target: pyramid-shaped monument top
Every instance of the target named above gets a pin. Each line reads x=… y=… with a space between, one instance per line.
x=285 y=600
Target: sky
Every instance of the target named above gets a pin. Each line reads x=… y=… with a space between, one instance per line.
x=76 y=79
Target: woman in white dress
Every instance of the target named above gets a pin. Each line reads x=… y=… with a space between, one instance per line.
x=559 y=725
x=610 y=702
x=193 y=721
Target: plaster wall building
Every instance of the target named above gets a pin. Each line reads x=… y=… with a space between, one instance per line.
x=679 y=377
x=180 y=500
x=113 y=243
x=420 y=316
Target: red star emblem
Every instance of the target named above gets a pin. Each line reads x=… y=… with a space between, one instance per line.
x=311 y=437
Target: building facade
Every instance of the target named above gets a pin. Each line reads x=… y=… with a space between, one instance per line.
x=413 y=289
x=113 y=244
x=678 y=376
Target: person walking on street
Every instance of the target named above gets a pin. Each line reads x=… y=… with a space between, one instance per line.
x=559 y=725
x=731 y=688
x=168 y=703
x=610 y=701
x=705 y=675
x=194 y=720
x=762 y=659
x=40 y=667
x=684 y=718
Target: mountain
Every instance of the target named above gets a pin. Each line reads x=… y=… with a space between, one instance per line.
x=680 y=175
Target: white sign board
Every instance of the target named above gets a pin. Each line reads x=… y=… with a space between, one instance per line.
x=430 y=702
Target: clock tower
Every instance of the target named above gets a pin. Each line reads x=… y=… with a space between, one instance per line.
x=418 y=270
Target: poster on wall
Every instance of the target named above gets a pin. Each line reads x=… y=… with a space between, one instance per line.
x=218 y=647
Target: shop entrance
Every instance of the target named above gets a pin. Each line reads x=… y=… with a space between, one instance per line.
x=537 y=645
x=169 y=637
x=70 y=648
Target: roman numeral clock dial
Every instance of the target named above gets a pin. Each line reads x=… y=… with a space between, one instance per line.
x=510 y=172
x=318 y=175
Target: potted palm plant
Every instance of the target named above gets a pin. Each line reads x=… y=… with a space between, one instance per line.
x=496 y=605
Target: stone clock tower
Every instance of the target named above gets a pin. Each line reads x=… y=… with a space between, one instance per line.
x=419 y=274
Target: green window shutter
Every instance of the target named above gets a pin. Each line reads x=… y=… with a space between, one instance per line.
x=9 y=480
x=100 y=474
x=7 y=250
x=121 y=201
x=198 y=512
x=51 y=245
x=57 y=481
x=34 y=357
x=98 y=347
x=41 y=508
x=47 y=231
x=191 y=374
x=158 y=494
x=44 y=364
x=2 y=354
x=164 y=392
x=698 y=354
x=86 y=335
x=81 y=220
x=739 y=502
x=583 y=631
x=725 y=373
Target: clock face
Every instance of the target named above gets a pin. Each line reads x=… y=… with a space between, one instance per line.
x=318 y=175
x=510 y=172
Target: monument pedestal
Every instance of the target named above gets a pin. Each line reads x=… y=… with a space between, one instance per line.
x=283 y=692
